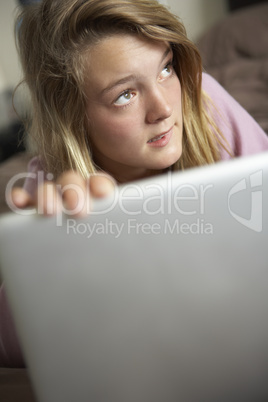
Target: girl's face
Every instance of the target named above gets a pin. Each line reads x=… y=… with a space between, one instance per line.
x=134 y=107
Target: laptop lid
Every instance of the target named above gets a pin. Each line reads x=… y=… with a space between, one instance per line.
x=160 y=295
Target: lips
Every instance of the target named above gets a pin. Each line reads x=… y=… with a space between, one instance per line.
x=158 y=137
x=161 y=139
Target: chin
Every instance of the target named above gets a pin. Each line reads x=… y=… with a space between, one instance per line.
x=170 y=160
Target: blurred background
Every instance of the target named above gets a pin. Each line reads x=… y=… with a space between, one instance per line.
x=199 y=17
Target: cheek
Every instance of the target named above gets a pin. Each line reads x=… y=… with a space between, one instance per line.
x=176 y=95
x=114 y=126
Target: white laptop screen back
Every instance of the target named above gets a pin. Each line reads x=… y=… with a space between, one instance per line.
x=163 y=298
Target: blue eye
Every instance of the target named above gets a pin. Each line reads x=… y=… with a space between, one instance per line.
x=124 y=98
x=167 y=71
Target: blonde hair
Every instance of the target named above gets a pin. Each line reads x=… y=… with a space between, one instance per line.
x=53 y=38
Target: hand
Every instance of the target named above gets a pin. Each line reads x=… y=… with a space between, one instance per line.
x=69 y=193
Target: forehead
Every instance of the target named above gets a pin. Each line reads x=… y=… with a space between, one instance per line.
x=119 y=56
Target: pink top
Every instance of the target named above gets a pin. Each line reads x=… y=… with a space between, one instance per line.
x=245 y=137
x=242 y=132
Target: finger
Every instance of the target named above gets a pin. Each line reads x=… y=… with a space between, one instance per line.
x=48 y=199
x=20 y=198
x=101 y=185
x=74 y=192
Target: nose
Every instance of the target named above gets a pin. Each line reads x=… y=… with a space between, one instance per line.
x=159 y=106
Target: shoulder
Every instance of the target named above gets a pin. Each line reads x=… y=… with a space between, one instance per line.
x=210 y=85
x=242 y=132
x=35 y=172
x=220 y=97
x=35 y=164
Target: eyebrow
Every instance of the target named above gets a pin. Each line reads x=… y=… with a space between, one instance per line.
x=130 y=77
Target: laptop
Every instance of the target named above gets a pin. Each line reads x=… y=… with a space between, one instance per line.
x=161 y=294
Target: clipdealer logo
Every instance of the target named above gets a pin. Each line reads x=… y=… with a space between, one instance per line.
x=186 y=199
x=254 y=222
